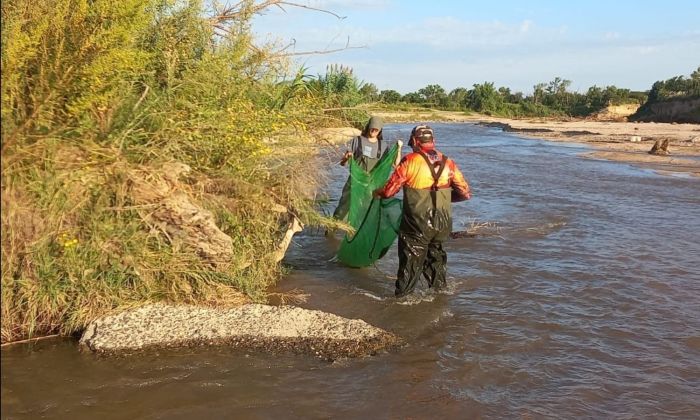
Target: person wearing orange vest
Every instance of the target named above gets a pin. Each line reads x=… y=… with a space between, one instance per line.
x=431 y=182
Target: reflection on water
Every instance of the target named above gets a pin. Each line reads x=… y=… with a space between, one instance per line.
x=579 y=299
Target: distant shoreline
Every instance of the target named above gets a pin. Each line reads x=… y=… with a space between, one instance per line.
x=612 y=139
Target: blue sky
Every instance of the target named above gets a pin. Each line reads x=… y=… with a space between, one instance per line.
x=407 y=45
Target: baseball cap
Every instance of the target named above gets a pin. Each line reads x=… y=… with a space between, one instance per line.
x=422 y=133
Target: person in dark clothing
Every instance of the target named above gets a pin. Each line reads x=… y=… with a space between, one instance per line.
x=431 y=182
x=366 y=149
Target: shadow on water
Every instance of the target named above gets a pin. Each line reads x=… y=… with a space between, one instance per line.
x=577 y=298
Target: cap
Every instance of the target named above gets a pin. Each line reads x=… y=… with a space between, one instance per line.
x=375 y=122
x=422 y=133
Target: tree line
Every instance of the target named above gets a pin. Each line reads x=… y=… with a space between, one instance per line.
x=553 y=98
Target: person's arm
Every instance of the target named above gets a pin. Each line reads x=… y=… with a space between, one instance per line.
x=395 y=182
x=348 y=151
x=398 y=155
x=460 y=186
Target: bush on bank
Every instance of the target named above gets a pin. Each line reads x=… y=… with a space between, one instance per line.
x=133 y=132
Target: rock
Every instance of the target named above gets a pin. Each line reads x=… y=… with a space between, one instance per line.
x=253 y=326
x=167 y=206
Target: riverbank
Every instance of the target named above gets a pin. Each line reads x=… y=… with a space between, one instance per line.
x=618 y=141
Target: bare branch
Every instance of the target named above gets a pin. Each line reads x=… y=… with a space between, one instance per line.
x=346 y=47
x=323 y=51
x=312 y=8
x=240 y=10
x=243 y=9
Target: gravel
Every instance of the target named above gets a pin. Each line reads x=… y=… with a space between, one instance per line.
x=266 y=328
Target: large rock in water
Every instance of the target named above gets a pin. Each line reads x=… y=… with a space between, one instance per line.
x=252 y=326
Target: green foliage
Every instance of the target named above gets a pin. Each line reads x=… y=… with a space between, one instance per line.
x=548 y=99
x=484 y=98
x=177 y=39
x=96 y=97
x=413 y=98
x=434 y=95
x=458 y=98
x=66 y=64
x=339 y=86
x=676 y=87
x=340 y=92
x=679 y=88
x=369 y=92
x=389 y=96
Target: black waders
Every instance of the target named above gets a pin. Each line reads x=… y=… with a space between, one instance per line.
x=426 y=223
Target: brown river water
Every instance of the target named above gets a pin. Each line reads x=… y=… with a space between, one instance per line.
x=580 y=300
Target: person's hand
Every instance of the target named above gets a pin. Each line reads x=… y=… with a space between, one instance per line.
x=346 y=156
x=376 y=193
x=400 y=143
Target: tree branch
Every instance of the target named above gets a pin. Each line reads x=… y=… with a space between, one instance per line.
x=316 y=52
x=244 y=9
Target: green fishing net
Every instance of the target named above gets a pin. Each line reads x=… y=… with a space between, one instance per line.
x=376 y=221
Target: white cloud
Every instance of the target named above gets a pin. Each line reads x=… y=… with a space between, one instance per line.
x=445 y=33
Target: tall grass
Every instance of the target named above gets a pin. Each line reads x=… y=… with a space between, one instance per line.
x=100 y=101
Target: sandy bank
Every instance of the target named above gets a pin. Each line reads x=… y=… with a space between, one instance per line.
x=253 y=326
x=613 y=140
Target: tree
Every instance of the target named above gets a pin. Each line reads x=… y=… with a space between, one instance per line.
x=458 y=97
x=485 y=98
x=370 y=92
x=413 y=98
x=558 y=86
x=556 y=95
x=695 y=75
x=510 y=97
x=390 y=96
x=538 y=93
x=595 y=98
x=434 y=94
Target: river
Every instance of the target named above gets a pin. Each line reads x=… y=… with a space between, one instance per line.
x=580 y=299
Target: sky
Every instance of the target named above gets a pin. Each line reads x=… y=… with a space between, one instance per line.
x=405 y=45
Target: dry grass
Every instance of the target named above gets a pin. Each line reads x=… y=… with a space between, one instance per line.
x=292 y=297
x=90 y=232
